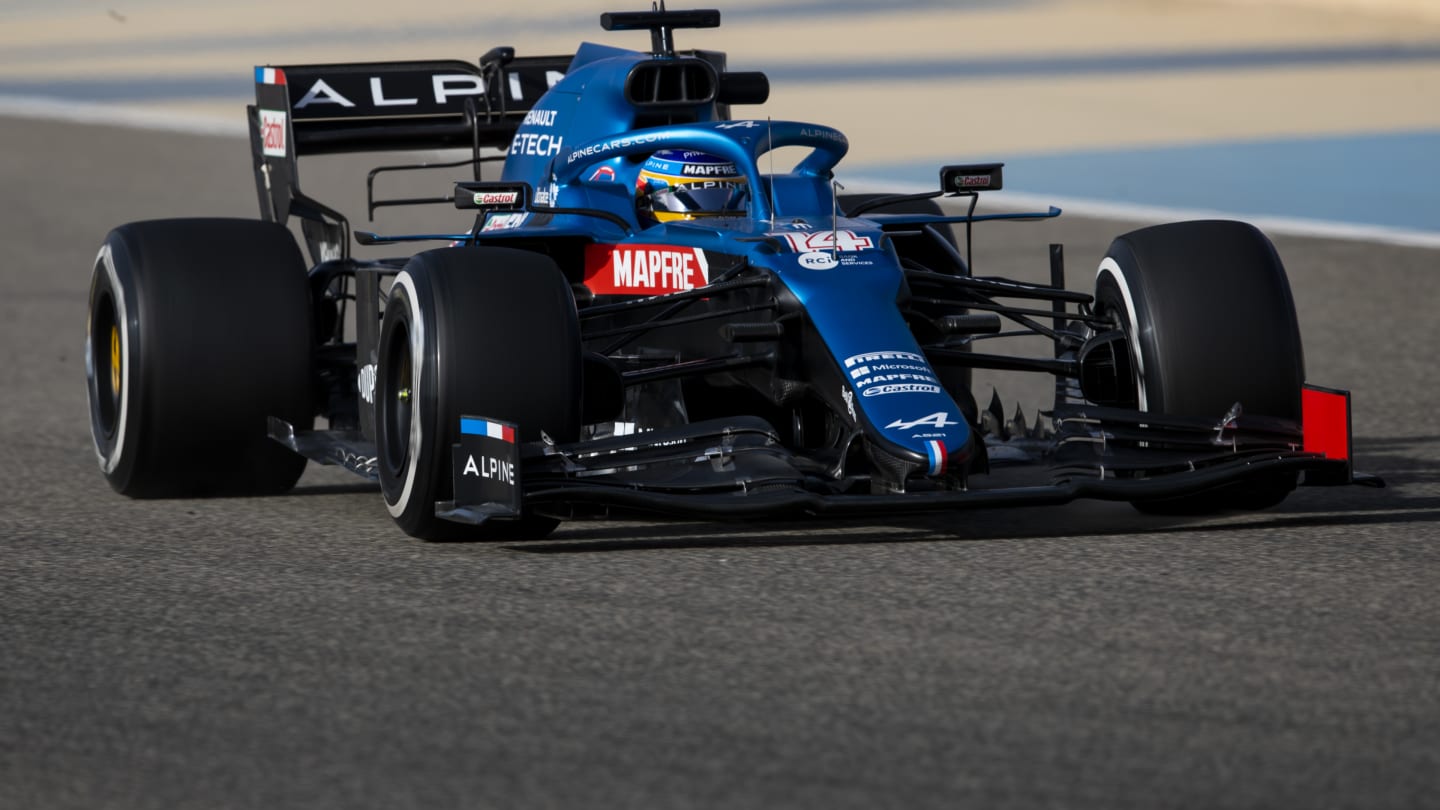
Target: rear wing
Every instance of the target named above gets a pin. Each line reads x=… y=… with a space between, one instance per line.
x=381 y=106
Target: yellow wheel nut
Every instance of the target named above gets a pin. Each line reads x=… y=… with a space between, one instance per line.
x=115 y=359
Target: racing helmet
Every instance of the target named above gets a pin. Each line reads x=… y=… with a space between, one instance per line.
x=681 y=184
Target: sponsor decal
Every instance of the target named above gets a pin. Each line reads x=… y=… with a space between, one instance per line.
x=876 y=357
x=443 y=87
x=495 y=469
x=619 y=143
x=964 y=181
x=488 y=198
x=548 y=195
x=816 y=260
x=889 y=368
x=539 y=118
x=708 y=170
x=377 y=94
x=902 y=377
x=485 y=464
x=272 y=133
x=824 y=133
x=739 y=125
x=458 y=85
x=540 y=144
x=365 y=382
x=904 y=388
x=969 y=178
x=644 y=269
x=503 y=222
x=878 y=373
x=322 y=93
x=829 y=260
x=845 y=241
x=604 y=174
x=939 y=419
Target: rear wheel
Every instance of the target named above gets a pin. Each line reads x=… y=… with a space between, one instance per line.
x=488 y=332
x=1210 y=321
x=199 y=330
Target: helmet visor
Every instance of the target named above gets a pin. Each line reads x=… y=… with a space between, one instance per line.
x=708 y=197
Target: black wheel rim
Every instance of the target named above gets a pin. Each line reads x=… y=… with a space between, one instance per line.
x=398 y=399
x=1109 y=304
x=107 y=353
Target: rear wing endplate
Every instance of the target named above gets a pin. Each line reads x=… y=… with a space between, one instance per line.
x=382 y=106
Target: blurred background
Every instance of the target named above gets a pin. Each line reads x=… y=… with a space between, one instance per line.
x=1308 y=116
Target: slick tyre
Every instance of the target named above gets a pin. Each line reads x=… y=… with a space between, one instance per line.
x=489 y=332
x=198 y=331
x=1210 y=321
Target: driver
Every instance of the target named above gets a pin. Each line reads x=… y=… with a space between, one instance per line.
x=681 y=184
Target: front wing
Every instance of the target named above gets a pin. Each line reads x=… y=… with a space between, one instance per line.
x=738 y=468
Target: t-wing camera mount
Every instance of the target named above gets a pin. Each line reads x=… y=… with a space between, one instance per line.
x=661 y=23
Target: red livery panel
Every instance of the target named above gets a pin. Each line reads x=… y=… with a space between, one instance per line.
x=644 y=269
x=1326 y=416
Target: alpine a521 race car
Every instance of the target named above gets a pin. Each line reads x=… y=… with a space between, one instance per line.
x=642 y=320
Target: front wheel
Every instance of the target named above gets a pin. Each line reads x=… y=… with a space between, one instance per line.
x=1209 y=320
x=487 y=332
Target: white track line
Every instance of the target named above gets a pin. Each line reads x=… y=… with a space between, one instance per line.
x=1289 y=226
x=89 y=112
x=1154 y=214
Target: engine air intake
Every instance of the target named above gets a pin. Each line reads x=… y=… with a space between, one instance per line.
x=671 y=83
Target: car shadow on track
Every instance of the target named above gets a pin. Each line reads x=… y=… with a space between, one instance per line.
x=799 y=534
x=1410 y=497
x=359 y=487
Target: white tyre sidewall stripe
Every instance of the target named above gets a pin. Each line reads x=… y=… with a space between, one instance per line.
x=417 y=355
x=1110 y=266
x=122 y=323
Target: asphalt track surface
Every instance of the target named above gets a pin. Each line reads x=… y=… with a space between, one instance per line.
x=300 y=652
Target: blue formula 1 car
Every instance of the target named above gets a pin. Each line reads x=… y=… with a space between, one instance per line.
x=643 y=320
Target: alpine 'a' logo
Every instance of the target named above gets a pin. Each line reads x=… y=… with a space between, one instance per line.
x=938 y=420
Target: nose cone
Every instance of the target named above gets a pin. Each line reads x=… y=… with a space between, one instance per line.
x=939 y=445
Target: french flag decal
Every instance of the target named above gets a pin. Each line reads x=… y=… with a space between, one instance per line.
x=480 y=427
x=936 y=451
x=266 y=75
